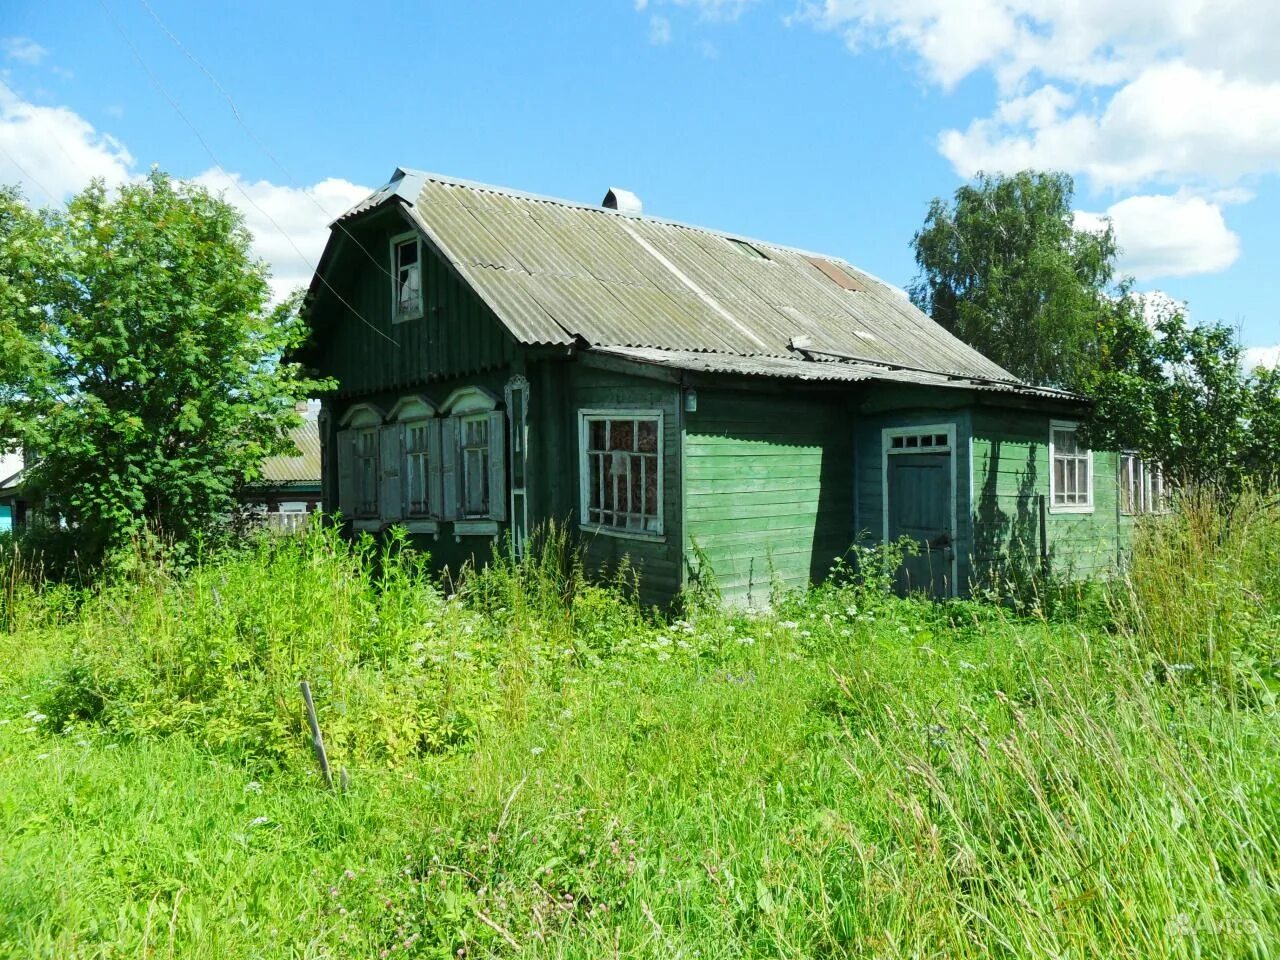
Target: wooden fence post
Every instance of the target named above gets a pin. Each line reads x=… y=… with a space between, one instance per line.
x=317 y=740
x=1044 y=537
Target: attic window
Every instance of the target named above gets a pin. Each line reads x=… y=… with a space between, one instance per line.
x=406 y=258
x=837 y=274
x=747 y=249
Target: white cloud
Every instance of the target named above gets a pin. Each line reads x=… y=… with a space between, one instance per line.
x=659 y=31
x=54 y=152
x=1255 y=357
x=23 y=50
x=1171 y=123
x=1136 y=96
x=1168 y=235
x=302 y=214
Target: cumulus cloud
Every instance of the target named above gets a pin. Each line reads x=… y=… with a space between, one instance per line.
x=289 y=224
x=1139 y=97
x=1171 y=123
x=52 y=151
x=1168 y=235
x=23 y=50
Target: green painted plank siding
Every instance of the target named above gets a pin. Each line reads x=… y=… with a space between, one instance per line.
x=657 y=561
x=1010 y=473
x=457 y=333
x=768 y=489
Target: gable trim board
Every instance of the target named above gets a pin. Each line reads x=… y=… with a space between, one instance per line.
x=802 y=366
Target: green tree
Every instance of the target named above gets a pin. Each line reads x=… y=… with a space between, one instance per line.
x=23 y=254
x=1004 y=269
x=161 y=385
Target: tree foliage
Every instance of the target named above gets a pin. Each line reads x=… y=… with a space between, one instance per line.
x=155 y=383
x=1004 y=268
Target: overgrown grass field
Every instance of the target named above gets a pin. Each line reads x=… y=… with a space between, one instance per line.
x=537 y=767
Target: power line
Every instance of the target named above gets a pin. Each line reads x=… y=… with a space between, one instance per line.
x=23 y=171
x=235 y=181
x=235 y=112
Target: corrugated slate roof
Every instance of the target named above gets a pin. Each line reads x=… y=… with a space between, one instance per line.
x=558 y=272
x=301 y=468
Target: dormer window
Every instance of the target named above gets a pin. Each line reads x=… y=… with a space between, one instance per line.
x=406 y=259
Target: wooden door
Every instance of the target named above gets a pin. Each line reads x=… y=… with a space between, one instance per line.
x=919 y=487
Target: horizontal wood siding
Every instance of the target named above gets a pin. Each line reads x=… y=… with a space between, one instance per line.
x=658 y=562
x=364 y=351
x=1010 y=473
x=768 y=488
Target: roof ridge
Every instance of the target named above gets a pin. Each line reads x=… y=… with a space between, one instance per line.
x=606 y=211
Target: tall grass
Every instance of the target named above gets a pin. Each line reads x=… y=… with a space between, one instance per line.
x=541 y=767
x=1200 y=592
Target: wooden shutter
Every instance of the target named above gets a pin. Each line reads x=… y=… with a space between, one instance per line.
x=346 y=442
x=497 y=465
x=390 y=495
x=450 y=502
x=435 y=470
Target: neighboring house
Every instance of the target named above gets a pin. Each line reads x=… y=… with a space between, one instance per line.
x=13 y=507
x=289 y=489
x=686 y=397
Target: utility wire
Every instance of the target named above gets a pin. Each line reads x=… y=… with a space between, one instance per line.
x=235 y=112
x=155 y=82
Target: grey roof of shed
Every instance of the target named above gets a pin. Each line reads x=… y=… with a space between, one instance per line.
x=556 y=272
x=300 y=468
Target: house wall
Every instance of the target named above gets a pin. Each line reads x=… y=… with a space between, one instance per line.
x=768 y=489
x=1010 y=473
x=556 y=399
x=446 y=548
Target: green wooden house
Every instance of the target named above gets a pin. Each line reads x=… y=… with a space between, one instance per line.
x=684 y=397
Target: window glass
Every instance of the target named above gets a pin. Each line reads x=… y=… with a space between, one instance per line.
x=622 y=464
x=1071 y=481
x=366 y=472
x=408 y=279
x=475 y=466
x=416 y=465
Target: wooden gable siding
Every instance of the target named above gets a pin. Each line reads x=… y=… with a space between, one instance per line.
x=1010 y=472
x=456 y=335
x=768 y=490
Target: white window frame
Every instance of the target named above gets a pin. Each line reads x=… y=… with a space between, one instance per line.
x=1148 y=484
x=1054 y=507
x=396 y=243
x=585 y=418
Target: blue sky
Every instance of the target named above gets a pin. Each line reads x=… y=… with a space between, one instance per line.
x=825 y=125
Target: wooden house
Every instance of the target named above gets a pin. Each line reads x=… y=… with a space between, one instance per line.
x=685 y=397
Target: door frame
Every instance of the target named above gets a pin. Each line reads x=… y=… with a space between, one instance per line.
x=886 y=450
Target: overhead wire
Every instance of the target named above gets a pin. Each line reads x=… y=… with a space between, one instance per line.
x=235 y=112
x=235 y=181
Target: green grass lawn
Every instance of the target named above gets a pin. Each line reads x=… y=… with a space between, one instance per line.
x=539 y=768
